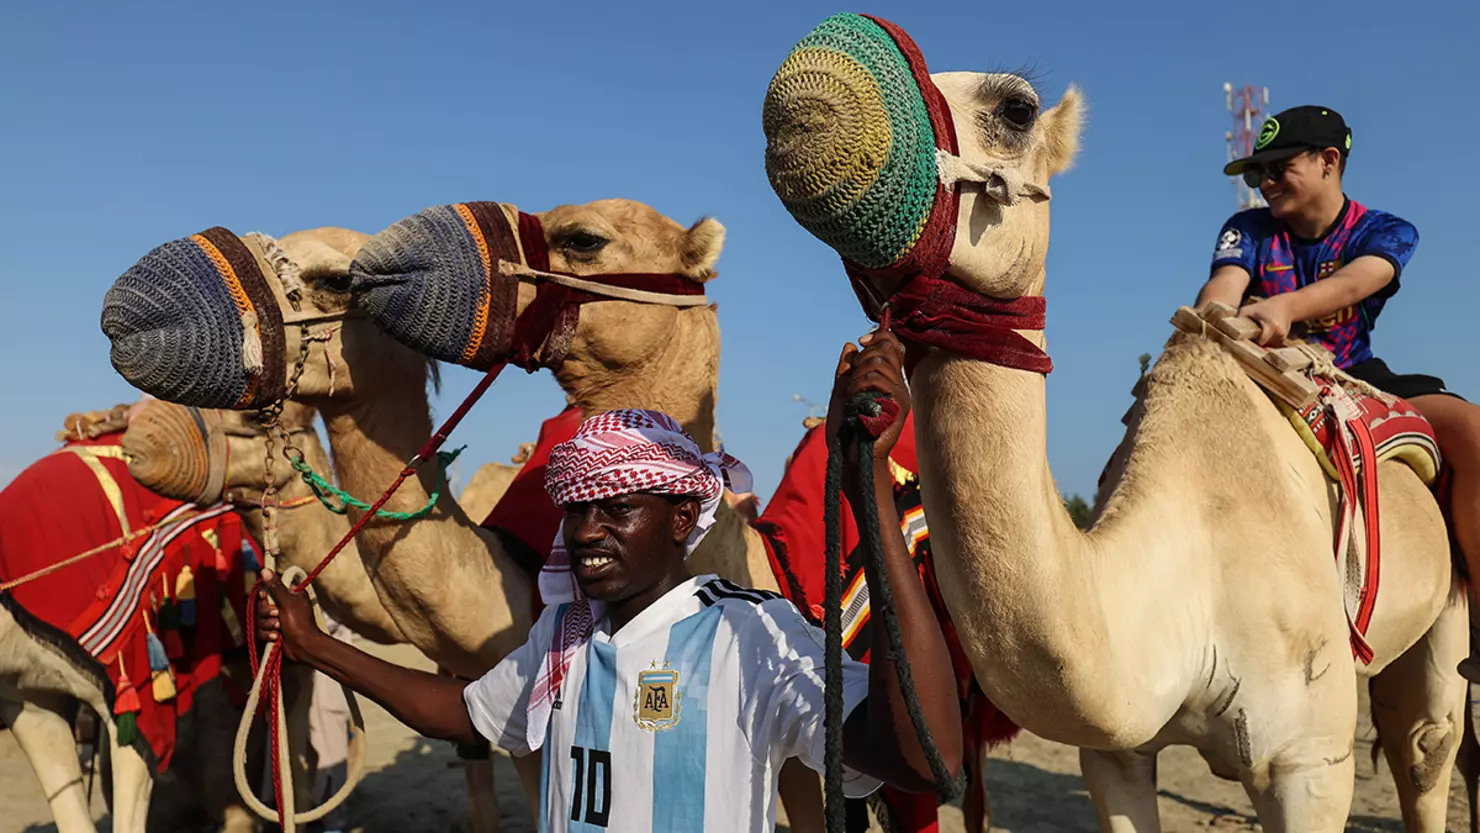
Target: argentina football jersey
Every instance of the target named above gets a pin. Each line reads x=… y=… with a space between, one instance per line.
x=679 y=721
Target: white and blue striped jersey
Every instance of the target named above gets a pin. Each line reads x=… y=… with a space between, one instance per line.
x=679 y=721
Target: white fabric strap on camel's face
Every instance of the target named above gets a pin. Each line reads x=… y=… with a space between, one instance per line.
x=1002 y=184
x=620 y=293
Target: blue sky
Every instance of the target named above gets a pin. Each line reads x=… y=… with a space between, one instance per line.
x=125 y=125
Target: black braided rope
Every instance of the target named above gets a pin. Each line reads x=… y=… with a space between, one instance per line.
x=882 y=605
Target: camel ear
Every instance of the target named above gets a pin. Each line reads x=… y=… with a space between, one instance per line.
x=700 y=248
x=1060 y=128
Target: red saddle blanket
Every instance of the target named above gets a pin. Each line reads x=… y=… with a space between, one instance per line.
x=1351 y=432
x=177 y=583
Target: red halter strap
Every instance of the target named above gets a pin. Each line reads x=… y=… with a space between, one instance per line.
x=550 y=320
x=930 y=311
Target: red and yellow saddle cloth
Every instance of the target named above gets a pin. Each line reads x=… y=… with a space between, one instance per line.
x=1350 y=432
x=150 y=618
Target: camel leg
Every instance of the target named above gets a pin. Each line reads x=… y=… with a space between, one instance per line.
x=1122 y=786
x=132 y=785
x=529 y=767
x=45 y=737
x=1418 y=705
x=483 y=812
x=801 y=794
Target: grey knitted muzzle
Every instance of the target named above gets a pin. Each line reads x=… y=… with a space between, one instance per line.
x=195 y=322
x=431 y=281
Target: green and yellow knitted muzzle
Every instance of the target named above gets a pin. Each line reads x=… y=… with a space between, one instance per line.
x=853 y=124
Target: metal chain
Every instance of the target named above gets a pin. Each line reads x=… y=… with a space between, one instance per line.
x=270 y=418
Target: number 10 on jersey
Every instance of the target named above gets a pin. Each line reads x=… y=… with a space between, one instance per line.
x=588 y=767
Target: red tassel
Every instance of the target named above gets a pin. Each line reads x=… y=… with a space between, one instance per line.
x=127 y=701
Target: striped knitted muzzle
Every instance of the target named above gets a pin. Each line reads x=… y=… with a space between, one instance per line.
x=445 y=283
x=862 y=150
x=196 y=321
x=854 y=127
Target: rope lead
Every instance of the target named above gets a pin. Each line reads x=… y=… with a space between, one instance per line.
x=865 y=416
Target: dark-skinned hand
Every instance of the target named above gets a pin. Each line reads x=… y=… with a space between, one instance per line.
x=878 y=367
x=285 y=617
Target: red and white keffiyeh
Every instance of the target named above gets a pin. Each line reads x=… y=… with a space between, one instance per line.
x=617 y=453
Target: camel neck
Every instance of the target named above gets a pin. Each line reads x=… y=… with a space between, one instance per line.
x=1020 y=579
x=680 y=378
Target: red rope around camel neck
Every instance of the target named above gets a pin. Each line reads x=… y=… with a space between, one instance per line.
x=935 y=312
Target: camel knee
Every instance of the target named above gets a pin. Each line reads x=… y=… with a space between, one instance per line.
x=1427 y=754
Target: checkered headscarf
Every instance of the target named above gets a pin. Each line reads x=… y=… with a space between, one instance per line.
x=627 y=452
x=617 y=453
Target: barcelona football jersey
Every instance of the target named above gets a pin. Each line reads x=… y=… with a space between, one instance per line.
x=1279 y=261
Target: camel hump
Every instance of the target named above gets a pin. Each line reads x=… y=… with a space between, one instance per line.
x=93 y=424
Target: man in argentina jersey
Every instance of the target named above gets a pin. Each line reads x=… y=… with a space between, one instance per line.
x=1319 y=263
x=658 y=700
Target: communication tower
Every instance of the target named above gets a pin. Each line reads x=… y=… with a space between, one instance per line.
x=1247 y=105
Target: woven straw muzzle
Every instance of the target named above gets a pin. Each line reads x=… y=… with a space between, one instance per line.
x=850 y=145
x=177 y=451
x=195 y=321
x=430 y=281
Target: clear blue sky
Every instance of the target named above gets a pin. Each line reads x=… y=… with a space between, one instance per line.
x=126 y=125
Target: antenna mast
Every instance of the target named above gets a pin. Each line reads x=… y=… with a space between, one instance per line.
x=1247 y=105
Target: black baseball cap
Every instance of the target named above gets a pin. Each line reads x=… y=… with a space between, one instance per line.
x=1297 y=129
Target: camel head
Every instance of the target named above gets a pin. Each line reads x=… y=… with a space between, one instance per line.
x=601 y=285
x=220 y=321
x=205 y=455
x=999 y=248
x=905 y=172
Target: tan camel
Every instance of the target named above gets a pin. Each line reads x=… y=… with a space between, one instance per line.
x=162 y=441
x=453 y=588
x=434 y=575
x=1203 y=607
x=489 y=483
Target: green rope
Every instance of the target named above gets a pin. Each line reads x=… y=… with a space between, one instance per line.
x=323 y=489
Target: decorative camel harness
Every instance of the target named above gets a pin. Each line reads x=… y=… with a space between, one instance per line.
x=538 y=338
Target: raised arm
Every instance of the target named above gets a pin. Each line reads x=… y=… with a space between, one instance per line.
x=431 y=705
x=879 y=738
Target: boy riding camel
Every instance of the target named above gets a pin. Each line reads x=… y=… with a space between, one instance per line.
x=1317 y=260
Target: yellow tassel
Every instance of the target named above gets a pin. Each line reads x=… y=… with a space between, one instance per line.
x=164 y=686
x=185 y=584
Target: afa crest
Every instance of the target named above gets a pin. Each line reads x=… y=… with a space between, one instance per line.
x=656 y=706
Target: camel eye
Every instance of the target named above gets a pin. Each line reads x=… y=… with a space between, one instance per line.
x=338 y=282
x=583 y=242
x=1019 y=112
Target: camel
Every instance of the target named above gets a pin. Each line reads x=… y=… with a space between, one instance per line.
x=42 y=682
x=1202 y=607
x=489 y=483
x=437 y=576
x=162 y=440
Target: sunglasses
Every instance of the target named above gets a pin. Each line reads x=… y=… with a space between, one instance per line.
x=1255 y=172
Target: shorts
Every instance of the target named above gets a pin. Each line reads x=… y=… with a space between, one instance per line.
x=1376 y=373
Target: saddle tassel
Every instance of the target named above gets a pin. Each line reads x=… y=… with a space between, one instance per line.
x=185 y=595
x=125 y=706
x=162 y=677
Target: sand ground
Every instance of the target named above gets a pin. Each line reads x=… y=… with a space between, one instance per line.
x=416 y=786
